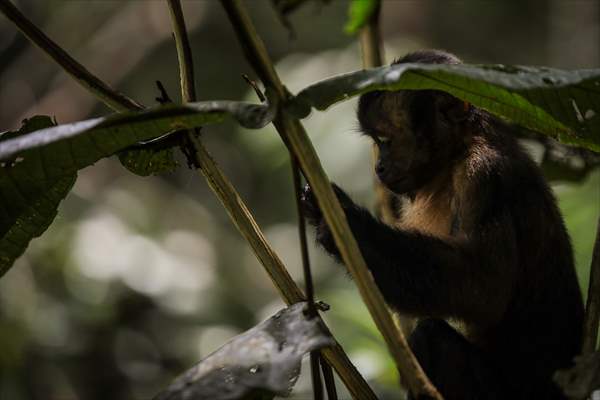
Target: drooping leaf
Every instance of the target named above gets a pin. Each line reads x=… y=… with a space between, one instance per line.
x=35 y=167
x=359 y=13
x=145 y=161
x=83 y=143
x=35 y=211
x=258 y=364
x=562 y=104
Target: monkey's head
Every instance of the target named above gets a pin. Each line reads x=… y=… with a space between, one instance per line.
x=418 y=132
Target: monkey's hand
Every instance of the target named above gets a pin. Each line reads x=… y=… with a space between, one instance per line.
x=314 y=216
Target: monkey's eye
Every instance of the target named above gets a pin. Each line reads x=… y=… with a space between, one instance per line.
x=381 y=139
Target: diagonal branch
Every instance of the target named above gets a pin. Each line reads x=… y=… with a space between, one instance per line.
x=295 y=137
x=243 y=219
x=226 y=193
x=284 y=283
x=109 y=96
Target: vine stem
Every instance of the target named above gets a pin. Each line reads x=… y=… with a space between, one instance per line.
x=295 y=137
x=592 y=309
x=109 y=96
x=308 y=281
x=184 y=52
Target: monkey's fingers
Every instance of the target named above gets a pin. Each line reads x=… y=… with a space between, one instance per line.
x=310 y=208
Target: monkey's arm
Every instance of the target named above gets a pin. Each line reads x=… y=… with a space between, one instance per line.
x=424 y=275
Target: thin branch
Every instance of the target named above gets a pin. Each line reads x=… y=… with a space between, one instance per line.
x=184 y=52
x=245 y=223
x=294 y=135
x=284 y=283
x=329 y=380
x=308 y=281
x=109 y=96
x=254 y=86
x=592 y=309
x=238 y=211
x=286 y=286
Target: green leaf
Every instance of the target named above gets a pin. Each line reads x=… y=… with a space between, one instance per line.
x=258 y=364
x=77 y=145
x=38 y=168
x=148 y=161
x=359 y=13
x=562 y=104
x=35 y=210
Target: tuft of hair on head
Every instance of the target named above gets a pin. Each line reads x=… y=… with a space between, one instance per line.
x=428 y=57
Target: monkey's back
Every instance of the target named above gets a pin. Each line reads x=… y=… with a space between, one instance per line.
x=541 y=330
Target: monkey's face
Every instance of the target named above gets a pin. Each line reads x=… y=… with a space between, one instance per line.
x=417 y=132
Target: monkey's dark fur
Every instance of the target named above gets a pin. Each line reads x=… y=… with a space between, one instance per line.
x=479 y=240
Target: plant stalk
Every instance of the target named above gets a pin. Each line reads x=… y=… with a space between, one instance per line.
x=294 y=136
x=184 y=52
x=225 y=191
x=308 y=281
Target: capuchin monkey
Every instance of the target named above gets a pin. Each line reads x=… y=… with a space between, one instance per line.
x=479 y=254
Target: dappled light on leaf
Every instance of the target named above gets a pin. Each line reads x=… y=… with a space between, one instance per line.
x=555 y=102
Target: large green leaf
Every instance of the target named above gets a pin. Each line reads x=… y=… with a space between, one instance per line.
x=562 y=104
x=38 y=168
x=32 y=214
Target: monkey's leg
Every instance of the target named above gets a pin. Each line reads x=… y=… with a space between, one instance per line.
x=456 y=368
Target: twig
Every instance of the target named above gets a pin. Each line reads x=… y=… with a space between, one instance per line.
x=109 y=96
x=184 y=52
x=329 y=380
x=164 y=97
x=294 y=136
x=592 y=309
x=254 y=86
x=284 y=283
x=240 y=214
x=308 y=281
x=289 y=291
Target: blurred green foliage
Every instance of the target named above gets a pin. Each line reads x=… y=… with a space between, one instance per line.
x=138 y=278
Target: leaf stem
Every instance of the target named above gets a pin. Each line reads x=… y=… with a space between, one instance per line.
x=295 y=137
x=184 y=52
x=109 y=96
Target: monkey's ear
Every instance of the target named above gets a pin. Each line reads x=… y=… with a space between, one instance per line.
x=453 y=110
